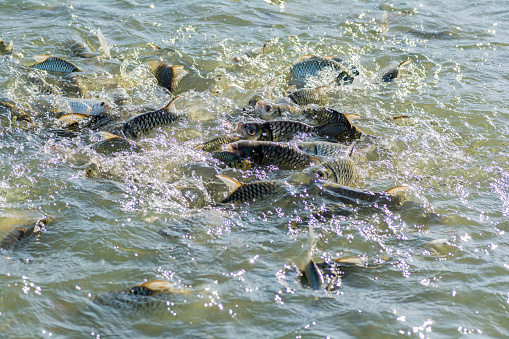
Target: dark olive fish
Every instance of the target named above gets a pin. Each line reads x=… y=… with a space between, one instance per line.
x=216 y=143
x=4 y=48
x=17 y=113
x=146 y=297
x=265 y=153
x=241 y=193
x=348 y=195
x=40 y=83
x=306 y=96
x=285 y=130
x=167 y=76
x=22 y=232
x=232 y=160
x=310 y=65
x=54 y=64
x=391 y=72
x=142 y=123
x=342 y=170
x=112 y=143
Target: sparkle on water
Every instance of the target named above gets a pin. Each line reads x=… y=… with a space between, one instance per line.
x=153 y=214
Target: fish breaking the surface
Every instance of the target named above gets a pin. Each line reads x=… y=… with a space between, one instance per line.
x=54 y=64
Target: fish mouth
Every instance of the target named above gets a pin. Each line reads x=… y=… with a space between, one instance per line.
x=259 y=107
x=239 y=127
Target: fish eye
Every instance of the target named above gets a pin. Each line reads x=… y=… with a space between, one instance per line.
x=320 y=174
x=234 y=147
x=251 y=130
x=102 y=104
x=244 y=153
x=268 y=107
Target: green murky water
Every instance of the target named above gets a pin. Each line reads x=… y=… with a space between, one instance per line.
x=151 y=215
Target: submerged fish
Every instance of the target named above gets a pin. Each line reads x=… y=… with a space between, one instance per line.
x=4 y=48
x=391 y=73
x=146 y=297
x=167 y=76
x=321 y=148
x=142 y=123
x=311 y=65
x=216 y=143
x=348 y=195
x=264 y=153
x=306 y=96
x=81 y=49
x=241 y=193
x=21 y=232
x=17 y=113
x=285 y=130
x=40 y=83
x=311 y=273
x=232 y=160
x=54 y=64
x=256 y=51
x=112 y=143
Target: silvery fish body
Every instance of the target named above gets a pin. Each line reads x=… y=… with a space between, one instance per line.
x=349 y=195
x=269 y=110
x=54 y=64
x=391 y=72
x=342 y=170
x=81 y=49
x=270 y=153
x=145 y=122
x=83 y=106
x=321 y=148
x=311 y=65
x=307 y=96
x=244 y=193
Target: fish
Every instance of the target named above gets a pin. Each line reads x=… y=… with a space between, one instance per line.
x=4 y=48
x=392 y=197
x=263 y=153
x=341 y=170
x=263 y=93
x=16 y=112
x=21 y=232
x=269 y=110
x=142 y=123
x=40 y=83
x=54 y=64
x=311 y=273
x=311 y=65
x=80 y=49
x=306 y=96
x=242 y=193
x=321 y=148
x=83 y=106
x=149 y=296
x=256 y=51
x=285 y=130
x=391 y=73
x=167 y=76
x=91 y=170
x=216 y=143
x=111 y=143
x=232 y=160
x=104 y=44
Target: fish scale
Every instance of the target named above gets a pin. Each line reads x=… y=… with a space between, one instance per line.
x=281 y=129
x=54 y=64
x=143 y=123
x=252 y=191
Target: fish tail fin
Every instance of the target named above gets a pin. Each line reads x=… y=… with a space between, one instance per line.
x=178 y=73
x=397 y=194
x=332 y=129
x=104 y=44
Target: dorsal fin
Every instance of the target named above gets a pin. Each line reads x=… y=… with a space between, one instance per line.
x=107 y=135
x=11 y=46
x=397 y=190
x=352 y=117
x=158 y=285
x=154 y=46
x=104 y=44
x=328 y=57
x=41 y=58
x=290 y=89
x=178 y=73
x=271 y=84
x=170 y=106
x=350 y=149
x=406 y=62
x=232 y=183
x=304 y=57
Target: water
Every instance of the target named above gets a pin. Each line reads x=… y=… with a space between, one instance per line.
x=151 y=215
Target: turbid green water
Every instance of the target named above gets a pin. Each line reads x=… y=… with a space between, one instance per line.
x=152 y=215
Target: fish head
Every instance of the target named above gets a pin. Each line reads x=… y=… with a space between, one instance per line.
x=322 y=172
x=256 y=98
x=240 y=149
x=266 y=110
x=243 y=165
x=250 y=130
x=100 y=108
